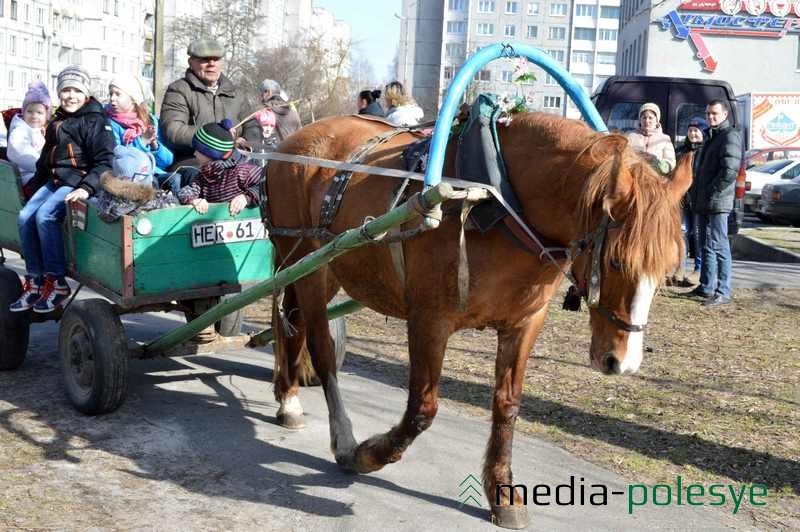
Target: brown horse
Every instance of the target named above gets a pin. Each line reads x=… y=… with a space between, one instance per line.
x=567 y=178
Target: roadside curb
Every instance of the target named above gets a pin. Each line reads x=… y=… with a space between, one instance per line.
x=750 y=248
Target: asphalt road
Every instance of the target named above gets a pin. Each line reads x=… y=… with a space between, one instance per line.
x=196 y=446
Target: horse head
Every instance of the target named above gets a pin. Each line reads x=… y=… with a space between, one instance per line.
x=629 y=217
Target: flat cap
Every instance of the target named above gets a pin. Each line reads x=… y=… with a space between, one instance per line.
x=205 y=48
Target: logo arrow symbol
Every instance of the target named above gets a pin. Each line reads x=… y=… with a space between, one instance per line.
x=473 y=478
x=468 y=498
x=470 y=487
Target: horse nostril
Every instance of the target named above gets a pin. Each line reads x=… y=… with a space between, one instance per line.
x=610 y=365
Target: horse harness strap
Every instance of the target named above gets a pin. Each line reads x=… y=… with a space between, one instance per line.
x=335 y=193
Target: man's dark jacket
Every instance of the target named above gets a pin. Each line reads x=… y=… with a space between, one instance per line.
x=721 y=157
x=188 y=104
x=78 y=149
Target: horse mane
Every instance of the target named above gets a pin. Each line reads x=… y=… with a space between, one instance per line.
x=650 y=227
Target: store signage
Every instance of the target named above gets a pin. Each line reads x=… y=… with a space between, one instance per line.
x=770 y=19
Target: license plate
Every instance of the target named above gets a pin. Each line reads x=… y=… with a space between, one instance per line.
x=227 y=232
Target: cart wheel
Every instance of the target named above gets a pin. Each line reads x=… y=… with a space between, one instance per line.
x=94 y=356
x=338 y=328
x=14 y=326
x=230 y=325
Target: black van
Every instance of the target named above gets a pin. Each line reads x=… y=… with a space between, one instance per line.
x=618 y=100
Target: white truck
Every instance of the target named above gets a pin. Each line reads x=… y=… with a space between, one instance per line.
x=770 y=119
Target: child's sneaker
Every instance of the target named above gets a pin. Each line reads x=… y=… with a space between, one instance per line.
x=31 y=292
x=54 y=293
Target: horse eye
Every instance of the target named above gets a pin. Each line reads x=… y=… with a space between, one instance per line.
x=616 y=265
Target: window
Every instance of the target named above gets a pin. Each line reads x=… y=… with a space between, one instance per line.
x=585 y=34
x=558 y=55
x=77 y=57
x=608 y=35
x=23 y=79
x=483 y=75
x=40 y=16
x=454 y=49
x=13 y=17
x=456 y=5
x=624 y=116
x=557 y=33
x=609 y=12
x=105 y=34
x=10 y=79
x=510 y=30
x=584 y=79
x=2 y=41
x=104 y=63
x=113 y=65
x=533 y=32
x=606 y=58
x=2 y=8
x=586 y=58
x=552 y=102
x=27 y=19
x=448 y=72
x=106 y=8
x=550 y=80
x=507 y=76
x=12 y=45
x=585 y=10
x=558 y=10
x=453 y=26
x=533 y=8
x=26 y=48
x=485 y=28
x=116 y=8
x=486 y=6
x=512 y=7
x=40 y=49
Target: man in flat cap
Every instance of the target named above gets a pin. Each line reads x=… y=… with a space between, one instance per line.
x=203 y=95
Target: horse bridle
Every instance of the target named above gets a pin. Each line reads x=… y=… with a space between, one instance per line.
x=594 y=244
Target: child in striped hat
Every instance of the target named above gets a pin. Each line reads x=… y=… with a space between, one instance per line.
x=224 y=176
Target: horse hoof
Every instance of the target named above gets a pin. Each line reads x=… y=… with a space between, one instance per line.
x=513 y=517
x=291 y=421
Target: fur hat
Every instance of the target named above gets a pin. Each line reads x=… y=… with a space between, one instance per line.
x=132 y=174
x=214 y=140
x=131 y=86
x=37 y=93
x=76 y=77
x=653 y=108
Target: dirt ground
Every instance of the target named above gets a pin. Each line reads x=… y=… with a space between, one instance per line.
x=716 y=399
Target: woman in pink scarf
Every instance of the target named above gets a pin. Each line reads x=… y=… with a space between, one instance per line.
x=650 y=142
x=131 y=121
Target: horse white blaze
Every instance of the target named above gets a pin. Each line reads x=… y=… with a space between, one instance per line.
x=640 y=308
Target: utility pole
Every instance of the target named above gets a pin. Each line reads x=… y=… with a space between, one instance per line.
x=158 y=55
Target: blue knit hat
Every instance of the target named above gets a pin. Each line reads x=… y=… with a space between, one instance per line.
x=214 y=140
x=134 y=165
x=699 y=123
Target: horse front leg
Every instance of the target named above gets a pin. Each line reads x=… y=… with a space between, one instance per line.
x=427 y=340
x=289 y=351
x=513 y=347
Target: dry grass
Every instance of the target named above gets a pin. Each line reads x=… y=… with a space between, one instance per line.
x=716 y=399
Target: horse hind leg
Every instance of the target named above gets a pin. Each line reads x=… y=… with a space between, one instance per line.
x=290 y=348
x=427 y=340
x=513 y=347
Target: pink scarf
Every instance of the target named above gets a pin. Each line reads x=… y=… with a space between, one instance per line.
x=134 y=126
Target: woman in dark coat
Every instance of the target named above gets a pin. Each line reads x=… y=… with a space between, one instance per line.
x=368 y=103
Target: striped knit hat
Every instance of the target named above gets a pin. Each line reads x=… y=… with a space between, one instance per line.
x=214 y=140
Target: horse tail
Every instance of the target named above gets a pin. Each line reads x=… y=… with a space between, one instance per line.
x=282 y=330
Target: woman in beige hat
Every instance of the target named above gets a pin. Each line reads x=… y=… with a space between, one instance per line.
x=650 y=142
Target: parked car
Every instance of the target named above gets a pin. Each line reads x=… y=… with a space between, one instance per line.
x=758 y=157
x=758 y=176
x=780 y=202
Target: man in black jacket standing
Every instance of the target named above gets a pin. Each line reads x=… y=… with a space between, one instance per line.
x=713 y=200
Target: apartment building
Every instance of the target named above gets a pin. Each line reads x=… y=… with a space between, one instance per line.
x=436 y=39
x=24 y=49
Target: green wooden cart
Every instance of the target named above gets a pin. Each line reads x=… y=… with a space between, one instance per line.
x=161 y=260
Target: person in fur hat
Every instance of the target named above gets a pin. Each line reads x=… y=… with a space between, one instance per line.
x=224 y=176
x=26 y=134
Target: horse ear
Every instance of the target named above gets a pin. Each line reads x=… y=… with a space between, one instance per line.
x=612 y=147
x=681 y=178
